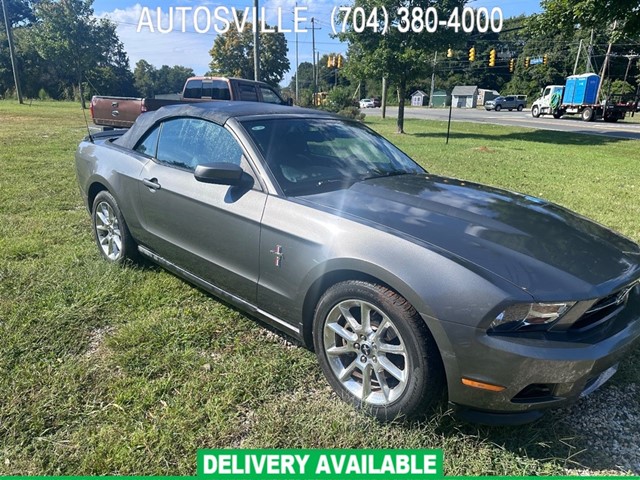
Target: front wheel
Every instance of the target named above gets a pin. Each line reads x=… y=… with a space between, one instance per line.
x=498 y=108
x=535 y=111
x=520 y=108
x=115 y=243
x=376 y=351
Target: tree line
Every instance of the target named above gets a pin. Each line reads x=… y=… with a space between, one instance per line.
x=63 y=50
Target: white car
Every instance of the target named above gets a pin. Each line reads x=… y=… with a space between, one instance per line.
x=367 y=103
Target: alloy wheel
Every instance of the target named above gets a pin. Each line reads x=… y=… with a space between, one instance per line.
x=108 y=231
x=366 y=352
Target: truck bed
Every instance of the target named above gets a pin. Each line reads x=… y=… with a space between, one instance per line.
x=121 y=112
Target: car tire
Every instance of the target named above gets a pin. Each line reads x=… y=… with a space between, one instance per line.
x=389 y=368
x=111 y=232
x=498 y=108
x=535 y=111
x=587 y=114
x=520 y=108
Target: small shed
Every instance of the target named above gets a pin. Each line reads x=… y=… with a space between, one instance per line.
x=440 y=99
x=464 y=96
x=418 y=98
x=484 y=95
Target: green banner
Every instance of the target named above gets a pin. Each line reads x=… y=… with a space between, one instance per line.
x=319 y=464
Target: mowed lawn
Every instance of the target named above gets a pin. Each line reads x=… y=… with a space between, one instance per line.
x=109 y=370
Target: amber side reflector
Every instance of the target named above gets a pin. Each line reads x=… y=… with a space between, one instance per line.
x=483 y=386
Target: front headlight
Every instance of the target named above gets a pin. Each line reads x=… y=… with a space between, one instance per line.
x=529 y=316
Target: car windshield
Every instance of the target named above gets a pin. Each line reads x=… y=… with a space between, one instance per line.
x=308 y=156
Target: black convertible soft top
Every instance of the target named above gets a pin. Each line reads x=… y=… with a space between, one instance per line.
x=217 y=112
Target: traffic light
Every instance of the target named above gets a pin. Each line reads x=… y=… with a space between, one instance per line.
x=492 y=57
x=339 y=63
x=512 y=65
x=545 y=59
x=450 y=53
x=330 y=61
x=472 y=54
x=527 y=62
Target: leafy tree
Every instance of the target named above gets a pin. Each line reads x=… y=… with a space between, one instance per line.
x=144 y=78
x=232 y=55
x=69 y=36
x=18 y=11
x=568 y=14
x=172 y=79
x=304 y=75
x=150 y=81
x=400 y=57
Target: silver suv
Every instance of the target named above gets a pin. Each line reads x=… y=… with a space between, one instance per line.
x=511 y=102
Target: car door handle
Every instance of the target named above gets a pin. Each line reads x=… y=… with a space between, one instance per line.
x=151 y=183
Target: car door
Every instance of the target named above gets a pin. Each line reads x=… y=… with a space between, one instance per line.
x=210 y=230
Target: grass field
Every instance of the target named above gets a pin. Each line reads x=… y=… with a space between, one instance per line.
x=108 y=370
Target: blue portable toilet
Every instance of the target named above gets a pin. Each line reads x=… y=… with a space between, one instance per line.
x=581 y=89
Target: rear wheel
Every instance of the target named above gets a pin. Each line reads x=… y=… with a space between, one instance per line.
x=588 y=114
x=114 y=241
x=376 y=351
x=535 y=111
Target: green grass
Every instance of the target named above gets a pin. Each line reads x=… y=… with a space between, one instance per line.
x=108 y=370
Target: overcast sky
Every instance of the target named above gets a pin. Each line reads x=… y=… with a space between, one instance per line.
x=191 y=49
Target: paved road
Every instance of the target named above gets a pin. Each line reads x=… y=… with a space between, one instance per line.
x=520 y=119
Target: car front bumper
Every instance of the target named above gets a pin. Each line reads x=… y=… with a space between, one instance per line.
x=537 y=372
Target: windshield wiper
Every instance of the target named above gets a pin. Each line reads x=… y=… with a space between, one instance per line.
x=394 y=173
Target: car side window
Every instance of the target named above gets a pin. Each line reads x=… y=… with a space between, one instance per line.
x=248 y=93
x=269 y=96
x=149 y=144
x=188 y=142
x=508 y=99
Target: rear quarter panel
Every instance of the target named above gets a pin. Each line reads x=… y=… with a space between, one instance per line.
x=103 y=165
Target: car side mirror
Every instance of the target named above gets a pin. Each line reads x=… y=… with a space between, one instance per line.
x=219 y=173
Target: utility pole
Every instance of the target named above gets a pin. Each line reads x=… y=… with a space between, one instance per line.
x=297 y=62
x=384 y=97
x=256 y=44
x=433 y=79
x=313 y=46
x=14 y=65
x=318 y=69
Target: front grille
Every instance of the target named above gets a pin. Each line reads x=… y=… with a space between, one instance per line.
x=604 y=309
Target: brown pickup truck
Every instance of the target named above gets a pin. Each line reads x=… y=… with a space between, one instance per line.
x=121 y=112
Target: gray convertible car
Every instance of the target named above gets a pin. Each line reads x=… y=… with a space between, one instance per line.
x=407 y=285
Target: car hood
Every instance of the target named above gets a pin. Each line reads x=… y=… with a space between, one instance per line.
x=534 y=244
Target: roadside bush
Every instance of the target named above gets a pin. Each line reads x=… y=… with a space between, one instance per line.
x=352 y=112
